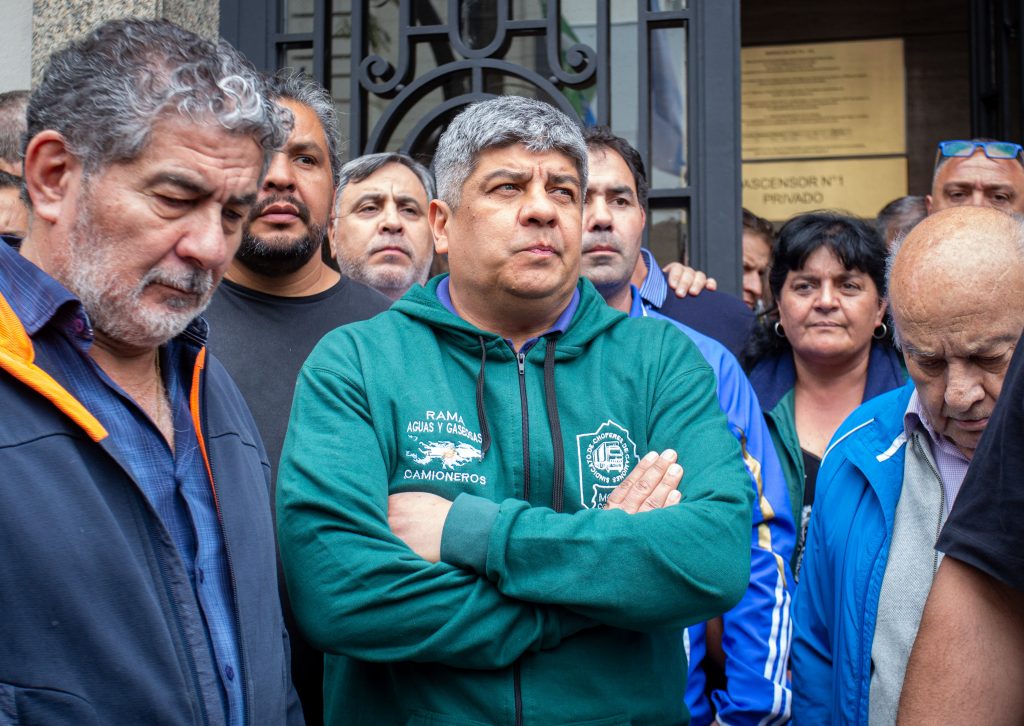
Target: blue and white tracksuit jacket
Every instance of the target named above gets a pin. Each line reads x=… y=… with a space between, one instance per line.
x=859 y=486
x=757 y=632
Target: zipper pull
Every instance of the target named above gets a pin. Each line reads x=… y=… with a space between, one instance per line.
x=521 y=358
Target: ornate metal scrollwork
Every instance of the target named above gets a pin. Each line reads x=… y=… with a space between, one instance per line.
x=375 y=67
x=581 y=58
x=389 y=120
x=582 y=67
x=470 y=43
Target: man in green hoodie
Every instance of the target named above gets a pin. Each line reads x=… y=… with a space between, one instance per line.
x=466 y=523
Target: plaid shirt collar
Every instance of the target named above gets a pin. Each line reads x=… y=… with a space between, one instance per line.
x=38 y=299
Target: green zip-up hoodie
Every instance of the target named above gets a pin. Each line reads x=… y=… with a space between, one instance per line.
x=546 y=609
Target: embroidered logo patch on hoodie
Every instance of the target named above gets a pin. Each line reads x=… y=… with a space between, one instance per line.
x=606 y=456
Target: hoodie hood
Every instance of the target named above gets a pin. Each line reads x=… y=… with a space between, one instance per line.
x=593 y=317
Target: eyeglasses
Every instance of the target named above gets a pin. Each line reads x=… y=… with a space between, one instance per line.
x=992 y=149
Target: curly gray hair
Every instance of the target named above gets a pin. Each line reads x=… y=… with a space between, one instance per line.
x=105 y=90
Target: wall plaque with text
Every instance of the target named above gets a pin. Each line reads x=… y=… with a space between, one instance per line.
x=777 y=190
x=823 y=100
x=824 y=127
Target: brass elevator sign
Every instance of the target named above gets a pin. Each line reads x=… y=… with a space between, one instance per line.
x=823 y=127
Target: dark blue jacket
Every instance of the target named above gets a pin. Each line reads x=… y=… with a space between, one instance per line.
x=98 y=620
x=718 y=315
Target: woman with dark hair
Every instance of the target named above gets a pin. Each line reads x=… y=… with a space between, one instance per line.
x=829 y=349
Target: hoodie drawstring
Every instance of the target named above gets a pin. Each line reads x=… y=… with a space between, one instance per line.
x=481 y=413
x=551 y=404
x=554 y=423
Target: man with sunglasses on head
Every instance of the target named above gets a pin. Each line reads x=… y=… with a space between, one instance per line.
x=977 y=173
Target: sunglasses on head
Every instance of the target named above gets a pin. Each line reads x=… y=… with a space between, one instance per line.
x=992 y=149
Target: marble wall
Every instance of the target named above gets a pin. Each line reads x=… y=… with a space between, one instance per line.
x=15 y=44
x=54 y=22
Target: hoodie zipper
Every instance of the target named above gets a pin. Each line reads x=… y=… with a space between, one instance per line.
x=517 y=676
x=521 y=360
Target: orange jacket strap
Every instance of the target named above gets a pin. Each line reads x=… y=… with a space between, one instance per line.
x=17 y=358
x=193 y=404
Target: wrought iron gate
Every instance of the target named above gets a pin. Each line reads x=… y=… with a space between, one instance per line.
x=662 y=73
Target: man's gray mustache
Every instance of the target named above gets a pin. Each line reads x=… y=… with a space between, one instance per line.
x=195 y=282
x=381 y=243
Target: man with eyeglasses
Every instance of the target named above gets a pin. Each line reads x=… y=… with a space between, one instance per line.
x=977 y=173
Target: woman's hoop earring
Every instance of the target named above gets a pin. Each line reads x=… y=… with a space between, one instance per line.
x=880 y=332
x=779 y=331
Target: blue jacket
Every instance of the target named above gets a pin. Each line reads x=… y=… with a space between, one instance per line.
x=100 y=622
x=756 y=633
x=836 y=603
x=774 y=378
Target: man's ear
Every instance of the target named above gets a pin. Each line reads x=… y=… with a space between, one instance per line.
x=438 y=215
x=50 y=171
x=928 y=203
x=332 y=232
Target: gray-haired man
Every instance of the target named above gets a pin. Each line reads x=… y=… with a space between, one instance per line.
x=138 y=583
x=510 y=387
x=380 y=234
x=896 y=465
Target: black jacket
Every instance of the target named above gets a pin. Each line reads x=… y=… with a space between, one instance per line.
x=717 y=315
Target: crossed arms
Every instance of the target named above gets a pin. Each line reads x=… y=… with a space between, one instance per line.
x=360 y=590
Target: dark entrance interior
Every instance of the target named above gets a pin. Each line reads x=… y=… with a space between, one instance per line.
x=963 y=61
